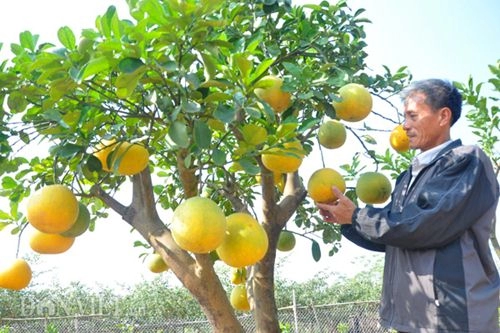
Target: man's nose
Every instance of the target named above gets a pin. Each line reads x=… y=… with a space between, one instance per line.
x=405 y=125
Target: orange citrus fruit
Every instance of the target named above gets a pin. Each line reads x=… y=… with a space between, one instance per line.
x=332 y=134
x=198 y=225
x=52 y=209
x=321 y=182
x=123 y=158
x=373 y=188
x=284 y=159
x=238 y=275
x=16 y=275
x=269 y=90
x=239 y=298
x=356 y=103
x=399 y=139
x=245 y=242
x=156 y=264
x=286 y=241
x=44 y=243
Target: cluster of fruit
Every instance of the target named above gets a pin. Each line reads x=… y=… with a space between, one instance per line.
x=355 y=104
x=56 y=218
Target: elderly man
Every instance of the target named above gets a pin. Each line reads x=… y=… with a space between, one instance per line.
x=439 y=273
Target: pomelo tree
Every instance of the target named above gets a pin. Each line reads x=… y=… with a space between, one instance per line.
x=483 y=114
x=179 y=78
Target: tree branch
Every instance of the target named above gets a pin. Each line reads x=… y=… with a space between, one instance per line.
x=111 y=202
x=294 y=194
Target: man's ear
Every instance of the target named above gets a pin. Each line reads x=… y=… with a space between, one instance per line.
x=446 y=116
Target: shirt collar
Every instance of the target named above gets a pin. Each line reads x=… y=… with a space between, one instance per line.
x=425 y=158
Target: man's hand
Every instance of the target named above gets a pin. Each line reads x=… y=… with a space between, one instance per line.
x=340 y=211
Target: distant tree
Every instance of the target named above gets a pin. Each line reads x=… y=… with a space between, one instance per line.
x=325 y=288
x=483 y=114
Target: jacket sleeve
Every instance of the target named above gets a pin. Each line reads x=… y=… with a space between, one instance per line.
x=349 y=232
x=460 y=190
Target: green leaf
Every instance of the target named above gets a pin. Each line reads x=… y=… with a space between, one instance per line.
x=127 y=82
x=130 y=65
x=209 y=66
x=370 y=139
x=28 y=40
x=254 y=134
x=67 y=38
x=217 y=97
x=17 y=102
x=179 y=134
x=52 y=115
x=155 y=11
x=141 y=244
x=316 y=251
x=93 y=67
x=219 y=157
x=93 y=163
x=261 y=68
x=190 y=107
x=68 y=150
x=225 y=113
x=202 y=134
x=249 y=165
x=8 y=183
x=293 y=69
x=241 y=61
x=105 y=23
x=307 y=124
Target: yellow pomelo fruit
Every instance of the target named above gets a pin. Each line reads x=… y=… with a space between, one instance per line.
x=239 y=298
x=356 y=103
x=45 y=243
x=332 y=134
x=279 y=181
x=271 y=93
x=284 y=159
x=286 y=241
x=198 y=225
x=52 y=209
x=15 y=275
x=373 y=188
x=245 y=242
x=399 y=139
x=156 y=264
x=321 y=182
x=238 y=275
x=123 y=158
x=81 y=224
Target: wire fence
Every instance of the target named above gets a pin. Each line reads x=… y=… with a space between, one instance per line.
x=356 y=317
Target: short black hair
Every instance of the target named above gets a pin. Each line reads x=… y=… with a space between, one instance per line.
x=438 y=94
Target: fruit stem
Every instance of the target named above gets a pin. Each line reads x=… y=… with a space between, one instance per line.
x=19 y=239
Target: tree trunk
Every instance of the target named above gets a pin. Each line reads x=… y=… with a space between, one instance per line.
x=199 y=277
x=263 y=298
x=196 y=273
x=275 y=218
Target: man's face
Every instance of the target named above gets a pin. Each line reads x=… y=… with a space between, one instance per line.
x=424 y=127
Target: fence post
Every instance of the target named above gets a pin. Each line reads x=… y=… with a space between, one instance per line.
x=296 y=323
x=75 y=320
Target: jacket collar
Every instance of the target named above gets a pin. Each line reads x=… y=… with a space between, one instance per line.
x=430 y=156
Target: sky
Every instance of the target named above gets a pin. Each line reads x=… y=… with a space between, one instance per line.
x=449 y=39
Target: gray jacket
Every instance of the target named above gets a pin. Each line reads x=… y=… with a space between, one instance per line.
x=439 y=273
